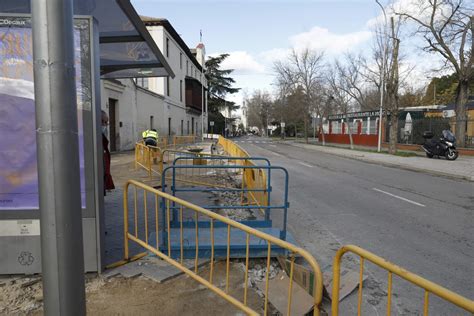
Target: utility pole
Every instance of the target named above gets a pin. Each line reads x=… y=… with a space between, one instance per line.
x=62 y=257
x=382 y=78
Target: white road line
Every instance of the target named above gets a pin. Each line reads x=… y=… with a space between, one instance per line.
x=273 y=145
x=276 y=154
x=399 y=197
x=305 y=164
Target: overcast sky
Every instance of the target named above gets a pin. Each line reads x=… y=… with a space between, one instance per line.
x=256 y=33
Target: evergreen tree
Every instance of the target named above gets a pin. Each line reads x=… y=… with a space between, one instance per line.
x=219 y=85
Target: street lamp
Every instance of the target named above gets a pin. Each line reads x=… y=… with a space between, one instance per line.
x=382 y=78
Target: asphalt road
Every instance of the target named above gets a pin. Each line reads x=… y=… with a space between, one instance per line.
x=421 y=222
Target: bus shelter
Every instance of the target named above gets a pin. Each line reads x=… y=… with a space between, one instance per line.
x=110 y=41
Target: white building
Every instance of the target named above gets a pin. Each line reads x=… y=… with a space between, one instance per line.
x=185 y=94
x=173 y=106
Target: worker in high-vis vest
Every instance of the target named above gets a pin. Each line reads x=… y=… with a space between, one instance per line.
x=150 y=137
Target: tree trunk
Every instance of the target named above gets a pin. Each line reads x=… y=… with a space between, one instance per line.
x=462 y=92
x=392 y=147
x=392 y=94
x=322 y=134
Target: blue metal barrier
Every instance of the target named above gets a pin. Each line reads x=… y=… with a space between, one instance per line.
x=268 y=208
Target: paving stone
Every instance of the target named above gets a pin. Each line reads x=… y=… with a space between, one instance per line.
x=152 y=268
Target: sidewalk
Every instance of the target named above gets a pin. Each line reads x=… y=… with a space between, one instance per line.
x=462 y=168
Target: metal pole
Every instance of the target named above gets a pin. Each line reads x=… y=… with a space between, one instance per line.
x=62 y=255
x=382 y=80
x=202 y=105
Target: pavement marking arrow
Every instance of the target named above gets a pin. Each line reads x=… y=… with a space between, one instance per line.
x=399 y=197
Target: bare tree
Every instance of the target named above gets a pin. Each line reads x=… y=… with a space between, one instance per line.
x=448 y=30
x=392 y=84
x=338 y=87
x=384 y=73
x=302 y=70
x=351 y=76
x=259 y=109
x=324 y=107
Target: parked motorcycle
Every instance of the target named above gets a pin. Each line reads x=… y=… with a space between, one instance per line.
x=445 y=146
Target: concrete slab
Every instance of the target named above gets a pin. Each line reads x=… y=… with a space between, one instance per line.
x=152 y=268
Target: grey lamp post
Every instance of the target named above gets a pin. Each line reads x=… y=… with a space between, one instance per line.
x=62 y=255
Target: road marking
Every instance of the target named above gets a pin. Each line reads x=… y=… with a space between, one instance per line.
x=273 y=145
x=305 y=164
x=276 y=154
x=399 y=197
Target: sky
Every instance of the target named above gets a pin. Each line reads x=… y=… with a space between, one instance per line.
x=257 y=33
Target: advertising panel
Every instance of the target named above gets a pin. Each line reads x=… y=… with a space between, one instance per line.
x=18 y=163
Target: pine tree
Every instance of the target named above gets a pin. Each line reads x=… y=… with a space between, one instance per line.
x=219 y=85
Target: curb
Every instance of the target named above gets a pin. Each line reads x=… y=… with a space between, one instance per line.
x=386 y=164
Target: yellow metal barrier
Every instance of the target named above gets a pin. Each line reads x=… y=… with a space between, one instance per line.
x=199 y=212
x=254 y=179
x=143 y=157
x=183 y=140
x=147 y=156
x=232 y=148
x=428 y=286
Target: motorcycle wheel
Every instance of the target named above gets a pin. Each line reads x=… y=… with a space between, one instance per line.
x=451 y=154
x=429 y=155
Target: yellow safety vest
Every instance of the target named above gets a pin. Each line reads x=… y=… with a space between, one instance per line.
x=150 y=133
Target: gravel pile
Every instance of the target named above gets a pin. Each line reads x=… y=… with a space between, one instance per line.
x=23 y=295
x=258 y=272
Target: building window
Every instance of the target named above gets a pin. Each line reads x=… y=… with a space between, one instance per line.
x=169 y=126
x=167 y=47
x=187 y=66
x=192 y=125
x=188 y=128
x=182 y=127
x=142 y=82
x=180 y=60
x=151 y=122
x=181 y=90
x=168 y=86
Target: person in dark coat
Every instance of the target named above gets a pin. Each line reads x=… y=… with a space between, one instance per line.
x=108 y=181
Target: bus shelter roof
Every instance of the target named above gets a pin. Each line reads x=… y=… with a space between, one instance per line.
x=127 y=49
